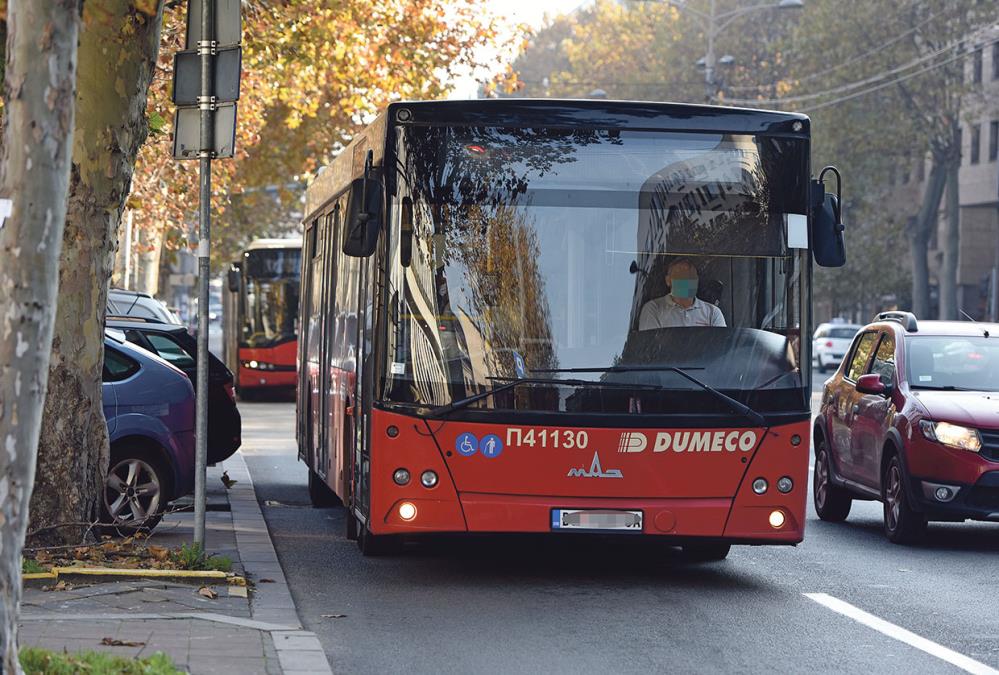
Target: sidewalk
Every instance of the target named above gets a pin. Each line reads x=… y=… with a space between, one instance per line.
x=243 y=630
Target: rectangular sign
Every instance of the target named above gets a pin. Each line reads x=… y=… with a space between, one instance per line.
x=225 y=79
x=187 y=132
x=227 y=23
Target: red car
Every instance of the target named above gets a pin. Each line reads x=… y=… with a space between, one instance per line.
x=911 y=419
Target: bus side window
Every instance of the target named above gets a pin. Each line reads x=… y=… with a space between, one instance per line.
x=406 y=233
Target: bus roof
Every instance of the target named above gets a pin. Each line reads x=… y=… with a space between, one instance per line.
x=290 y=242
x=549 y=113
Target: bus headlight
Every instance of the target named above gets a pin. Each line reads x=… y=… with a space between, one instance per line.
x=785 y=484
x=428 y=478
x=777 y=519
x=952 y=435
x=400 y=476
x=760 y=486
x=407 y=510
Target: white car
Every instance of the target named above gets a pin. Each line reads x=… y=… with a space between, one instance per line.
x=830 y=343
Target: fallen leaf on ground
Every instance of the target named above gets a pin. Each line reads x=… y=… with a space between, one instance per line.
x=114 y=642
x=206 y=592
x=237 y=580
x=61 y=586
x=333 y=616
x=237 y=592
x=159 y=552
x=266 y=581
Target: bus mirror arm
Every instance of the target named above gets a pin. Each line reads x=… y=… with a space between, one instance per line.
x=828 y=243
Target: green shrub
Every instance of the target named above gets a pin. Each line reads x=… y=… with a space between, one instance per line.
x=192 y=557
x=36 y=661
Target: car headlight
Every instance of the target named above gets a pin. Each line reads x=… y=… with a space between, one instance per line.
x=952 y=435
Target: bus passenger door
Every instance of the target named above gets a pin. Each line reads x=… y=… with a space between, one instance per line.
x=323 y=384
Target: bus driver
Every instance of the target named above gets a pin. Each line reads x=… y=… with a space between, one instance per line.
x=681 y=307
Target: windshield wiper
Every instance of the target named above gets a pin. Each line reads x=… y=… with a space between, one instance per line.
x=515 y=381
x=741 y=408
x=945 y=387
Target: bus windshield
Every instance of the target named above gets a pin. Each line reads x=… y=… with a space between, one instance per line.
x=272 y=286
x=530 y=253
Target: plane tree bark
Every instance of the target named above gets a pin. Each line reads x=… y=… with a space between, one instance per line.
x=119 y=42
x=40 y=65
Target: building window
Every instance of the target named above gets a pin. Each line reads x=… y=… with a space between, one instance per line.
x=995 y=61
x=976 y=143
x=976 y=66
x=993 y=140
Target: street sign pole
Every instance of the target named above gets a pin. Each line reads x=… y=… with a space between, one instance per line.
x=205 y=88
x=206 y=50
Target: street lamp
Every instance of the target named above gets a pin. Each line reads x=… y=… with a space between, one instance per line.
x=714 y=23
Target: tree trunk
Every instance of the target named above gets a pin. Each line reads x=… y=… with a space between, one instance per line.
x=951 y=240
x=34 y=173
x=149 y=280
x=919 y=230
x=118 y=46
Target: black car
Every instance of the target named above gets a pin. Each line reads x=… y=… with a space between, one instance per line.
x=175 y=345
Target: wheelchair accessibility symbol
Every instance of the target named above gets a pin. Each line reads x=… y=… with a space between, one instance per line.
x=466 y=444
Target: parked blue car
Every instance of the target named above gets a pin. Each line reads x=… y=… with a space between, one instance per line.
x=149 y=407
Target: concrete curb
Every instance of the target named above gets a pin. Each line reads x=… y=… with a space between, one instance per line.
x=298 y=651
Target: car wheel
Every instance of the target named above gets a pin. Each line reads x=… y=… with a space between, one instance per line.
x=135 y=491
x=832 y=502
x=320 y=494
x=373 y=545
x=903 y=525
x=706 y=552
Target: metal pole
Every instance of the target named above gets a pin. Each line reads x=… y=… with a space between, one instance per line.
x=127 y=276
x=709 y=58
x=206 y=50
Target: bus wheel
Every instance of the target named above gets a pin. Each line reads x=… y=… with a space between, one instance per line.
x=352 y=525
x=373 y=545
x=321 y=496
x=706 y=552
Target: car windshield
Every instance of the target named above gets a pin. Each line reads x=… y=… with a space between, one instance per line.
x=842 y=333
x=537 y=251
x=272 y=285
x=957 y=362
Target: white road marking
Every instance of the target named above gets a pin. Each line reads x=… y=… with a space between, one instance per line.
x=963 y=662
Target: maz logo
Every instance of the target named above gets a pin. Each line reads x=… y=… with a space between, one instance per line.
x=596 y=471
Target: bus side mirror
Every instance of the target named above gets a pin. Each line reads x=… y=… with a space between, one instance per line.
x=232 y=278
x=364 y=215
x=828 y=244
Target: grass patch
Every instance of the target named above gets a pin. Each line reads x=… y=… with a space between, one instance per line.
x=29 y=566
x=192 y=557
x=36 y=661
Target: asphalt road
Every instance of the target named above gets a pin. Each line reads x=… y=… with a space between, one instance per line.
x=592 y=605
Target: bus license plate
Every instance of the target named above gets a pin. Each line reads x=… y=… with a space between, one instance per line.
x=597 y=519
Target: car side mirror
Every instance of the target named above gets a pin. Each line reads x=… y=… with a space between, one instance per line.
x=828 y=243
x=872 y=384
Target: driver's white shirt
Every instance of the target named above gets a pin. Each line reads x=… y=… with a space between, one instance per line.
x=664 y=312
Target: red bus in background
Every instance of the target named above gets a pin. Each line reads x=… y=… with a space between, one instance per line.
x=564 y=317
x=260 y=316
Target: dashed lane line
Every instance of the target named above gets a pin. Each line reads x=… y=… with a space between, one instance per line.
x=961 y=661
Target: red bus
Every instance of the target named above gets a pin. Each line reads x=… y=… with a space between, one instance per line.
x=260 y=316
x=564 y=316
